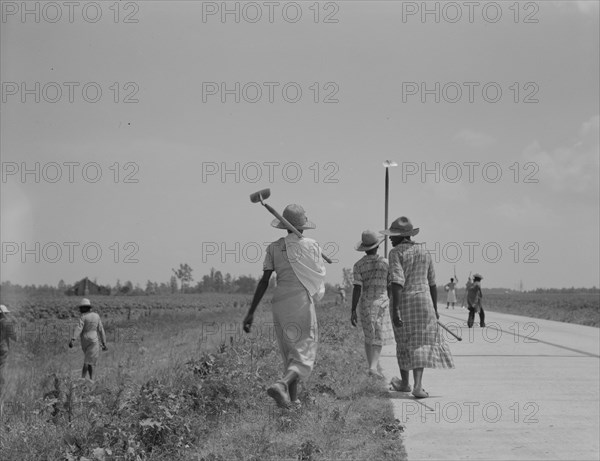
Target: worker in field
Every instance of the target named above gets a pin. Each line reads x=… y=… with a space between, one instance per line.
x=474 y=297
x=92 y=336
x=300 y=282
x=7 y=332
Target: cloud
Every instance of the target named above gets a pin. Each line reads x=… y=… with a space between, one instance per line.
x=569 y=169
x=475 y=139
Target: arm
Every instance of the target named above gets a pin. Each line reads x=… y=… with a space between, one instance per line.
x=355 y=298
x=396 y=290
x=433 y=292
x=101 y=334
x=261 y=288
x=77 y=332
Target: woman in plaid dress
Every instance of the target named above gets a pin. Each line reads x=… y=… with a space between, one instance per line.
x=370 y=288
x=419 y=343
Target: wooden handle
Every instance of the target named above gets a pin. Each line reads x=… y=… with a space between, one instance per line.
x=289 y=225
x=449 y=331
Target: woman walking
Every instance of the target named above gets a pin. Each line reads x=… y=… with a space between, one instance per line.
x=419 y=344
x=370 y=288
x=91 y=333
x=300 y=280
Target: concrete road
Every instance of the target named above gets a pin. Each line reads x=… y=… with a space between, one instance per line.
x=522 y=389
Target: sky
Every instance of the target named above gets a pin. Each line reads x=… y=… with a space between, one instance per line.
x=133 y=133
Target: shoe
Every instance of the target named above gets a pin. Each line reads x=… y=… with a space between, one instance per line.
x=399 y=385
x=279 y=393
x=420 y=393
x=482 y=324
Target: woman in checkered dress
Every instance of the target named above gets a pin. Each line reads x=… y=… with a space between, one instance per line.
x=419 y=343
x=370 y=291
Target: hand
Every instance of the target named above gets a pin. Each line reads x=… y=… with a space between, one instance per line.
x=397 y=320
x=248 y=322
x=353 y=318
x=437 y=316
x=70 y=344
x=104 y=348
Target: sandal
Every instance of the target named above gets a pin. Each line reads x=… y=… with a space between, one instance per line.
x=399 y=385
x=279 y=393
x=420 y=393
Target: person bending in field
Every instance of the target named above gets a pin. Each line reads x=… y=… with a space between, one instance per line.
x=419 y=344
x=7 y=332
x=91 y=333
x=370 y=288
x=451 y=290
x=300 y=281
x=474 y=297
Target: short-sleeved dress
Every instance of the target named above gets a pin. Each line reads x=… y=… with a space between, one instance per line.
x=419 y=342
x=294 y=315
x=91 y=332
x=371 y=273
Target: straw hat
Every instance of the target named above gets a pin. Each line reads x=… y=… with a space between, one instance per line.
x=401 y=227
x=369 y=240
x=85 y=303
x=4 y=309
x=296 y=216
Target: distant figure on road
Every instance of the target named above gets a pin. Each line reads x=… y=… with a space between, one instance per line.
x=419 y=343
x=474 y=296
x=91 y=333
x=451 y=290
x=7 y=332
x=370 y=288
x=300 y=281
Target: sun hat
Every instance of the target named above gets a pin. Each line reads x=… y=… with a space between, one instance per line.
x=296 y=216
x=85 y=303
x=477 y=276
x=401 y=227
x=4 y=309
x=369 y=240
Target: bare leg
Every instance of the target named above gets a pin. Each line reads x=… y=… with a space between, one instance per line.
x=375 y=353
x=418 y=377
x=90 y=370
x=84 y=371
x=404 y=376
x=293 y=390
x=369 y=354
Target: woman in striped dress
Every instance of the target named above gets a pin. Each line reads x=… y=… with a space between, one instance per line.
x=419 y=343
x=370 y=287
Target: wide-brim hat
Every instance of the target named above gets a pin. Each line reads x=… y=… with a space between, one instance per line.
x=477 y=276
x=85 y=303
x=401 y=227
x=4 y=309
x=369 y=240
x=296 y=216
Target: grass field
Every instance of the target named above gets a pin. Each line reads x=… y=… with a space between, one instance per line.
x=185 y=383
x=582 y=308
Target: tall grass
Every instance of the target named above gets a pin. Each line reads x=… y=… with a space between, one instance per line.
x=189 y=385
